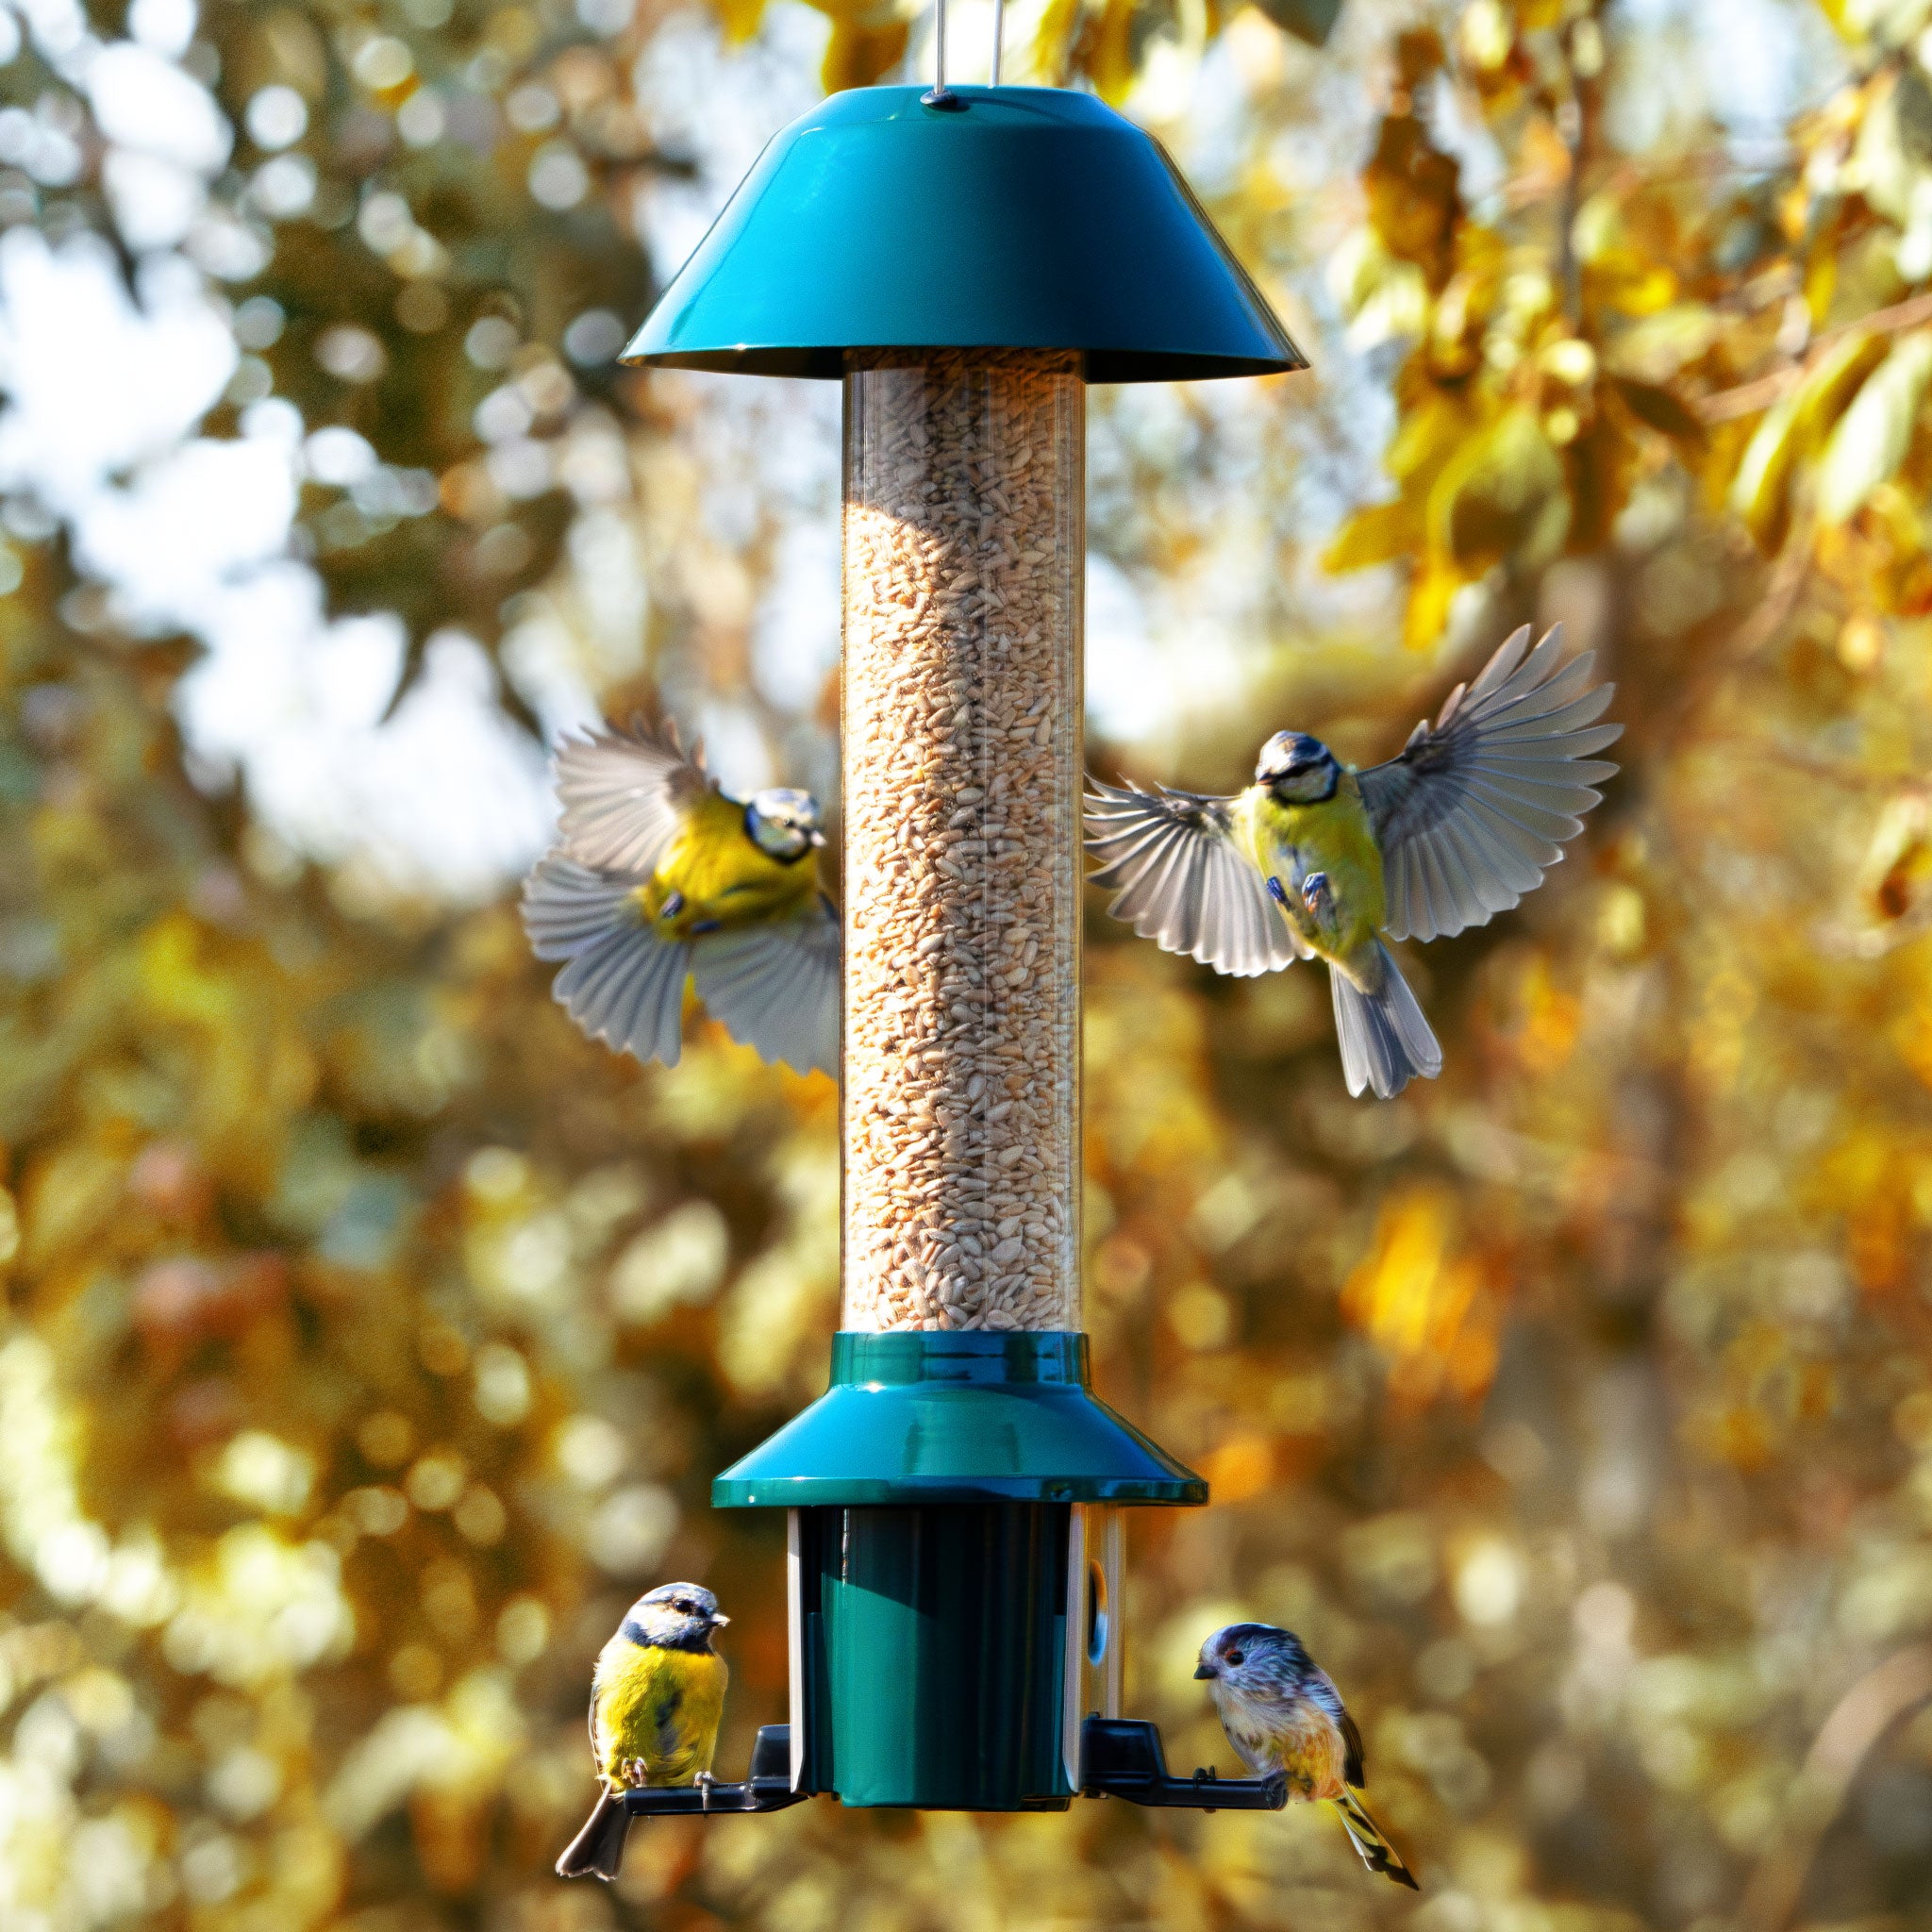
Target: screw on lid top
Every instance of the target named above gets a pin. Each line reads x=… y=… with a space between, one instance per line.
x=996 y=218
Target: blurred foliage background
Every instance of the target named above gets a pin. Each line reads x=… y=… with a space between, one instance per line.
x=371 y=1338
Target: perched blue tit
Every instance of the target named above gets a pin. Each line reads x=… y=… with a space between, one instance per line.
x=658 y=875
x=1318 y=860
x=1285 y=1718
x=656 y=1698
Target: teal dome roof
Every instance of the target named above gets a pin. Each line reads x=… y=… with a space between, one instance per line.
x=1008 y=218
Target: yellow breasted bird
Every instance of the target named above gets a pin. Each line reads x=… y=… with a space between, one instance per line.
x=1284 y=1716
x=656 y=1699
x=1318 y=860
x=658 y=875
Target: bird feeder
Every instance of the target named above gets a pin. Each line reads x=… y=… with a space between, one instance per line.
x=964 y=261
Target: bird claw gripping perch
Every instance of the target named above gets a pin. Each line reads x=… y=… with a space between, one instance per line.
x=768 y=1786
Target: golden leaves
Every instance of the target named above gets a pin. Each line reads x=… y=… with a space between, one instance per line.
x=1870 y=439
x=1430 y=1309
x=1379 y=533
x=1790 y=432
x=1500 y=497
x=1412 y=188
x=1514 y=445
x=1470 y=501
x=868 y=41
x=1660 y=408
x=1106 y=46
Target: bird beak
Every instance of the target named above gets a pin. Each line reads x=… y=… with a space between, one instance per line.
x=719 y=1620
x=1206 y=1670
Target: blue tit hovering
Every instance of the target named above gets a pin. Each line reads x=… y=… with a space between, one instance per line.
x=1318 y=860
x=656 y=1698
x=1285 y=1719
x=658 y=875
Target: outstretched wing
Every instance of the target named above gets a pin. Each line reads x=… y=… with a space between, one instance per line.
x=1479 y=803
x=1184 y=880
x=624 y=794
x=776 y=987
x=622 y=983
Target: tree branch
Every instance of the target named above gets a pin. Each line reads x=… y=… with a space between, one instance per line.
x=1763 y=391
x=1858 y=1719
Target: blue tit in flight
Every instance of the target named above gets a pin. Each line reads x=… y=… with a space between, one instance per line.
x=660 y=875
x=1285 y=1719
x=1318 y=860
x=656 y=1698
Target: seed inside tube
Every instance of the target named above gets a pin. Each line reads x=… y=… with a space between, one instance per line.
x=964 y=568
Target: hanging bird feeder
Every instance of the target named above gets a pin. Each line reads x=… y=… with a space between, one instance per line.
x=964 y=260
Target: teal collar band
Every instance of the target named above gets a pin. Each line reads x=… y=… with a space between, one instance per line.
x=956 y=1416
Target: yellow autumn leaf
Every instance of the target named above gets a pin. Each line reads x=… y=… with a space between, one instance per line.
x=740 y=18
x=1655 y=349
x=1378 y=534
x=1053 y=39
x=1622 y=279
x=1790 y=430
x=1429 y=597
x=1428 y=438
x=1501 y=496
x=1112 y=60
x=1874 y=434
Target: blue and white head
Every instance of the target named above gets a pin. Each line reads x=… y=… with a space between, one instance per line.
x=1298 y=769
x=1254 y=1660
x=675 y=1616
x=783 y=823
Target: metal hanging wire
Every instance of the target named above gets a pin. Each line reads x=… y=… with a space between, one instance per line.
x=939 y=94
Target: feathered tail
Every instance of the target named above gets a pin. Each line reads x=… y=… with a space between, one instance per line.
x=597 y=1851
x=1385 y=1040
x=1366 y=1836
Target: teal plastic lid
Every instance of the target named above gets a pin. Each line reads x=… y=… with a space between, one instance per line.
x=1010 y=217
x=956 y=1416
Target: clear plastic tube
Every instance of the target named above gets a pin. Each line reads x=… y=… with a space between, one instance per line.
x=964 y=558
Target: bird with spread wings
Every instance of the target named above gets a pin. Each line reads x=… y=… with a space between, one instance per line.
x=1316 y=859
x=660 y=875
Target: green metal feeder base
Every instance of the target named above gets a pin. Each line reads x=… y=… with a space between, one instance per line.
x=934 y=1653
x=943 y=1618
